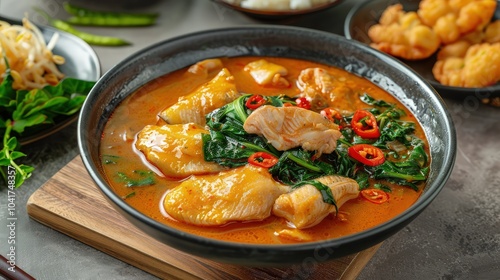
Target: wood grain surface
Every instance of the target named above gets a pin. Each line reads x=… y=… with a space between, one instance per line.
x=71 y=203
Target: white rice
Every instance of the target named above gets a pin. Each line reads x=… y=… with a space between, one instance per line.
x=278 y=5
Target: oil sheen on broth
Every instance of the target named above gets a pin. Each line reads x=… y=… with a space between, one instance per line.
x=123 y=163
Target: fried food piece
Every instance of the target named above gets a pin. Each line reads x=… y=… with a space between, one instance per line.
x=479 y=68
x=457 y=49
x=403 y=35
x=430 y=11
x=492 y=32
x=475 y=15
x=453 y=19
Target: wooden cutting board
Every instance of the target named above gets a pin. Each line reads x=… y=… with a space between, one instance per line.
x=70 y=202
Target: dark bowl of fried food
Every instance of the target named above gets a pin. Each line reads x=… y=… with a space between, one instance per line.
x=254 y=146
x=278 y=9
x=450 y=45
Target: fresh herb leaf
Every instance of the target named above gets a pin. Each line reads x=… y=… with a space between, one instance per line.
x=129 y=195
x=382 y=187
x=110 y=159
x=372 y=101
x=24 y=112
x=139 y=178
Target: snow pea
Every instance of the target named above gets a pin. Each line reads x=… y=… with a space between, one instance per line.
x=82 y=16
x=91 y=39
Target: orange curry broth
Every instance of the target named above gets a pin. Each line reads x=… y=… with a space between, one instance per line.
x=142 y=108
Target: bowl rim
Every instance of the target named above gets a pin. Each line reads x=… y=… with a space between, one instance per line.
x=431 y=190
x=448 y=91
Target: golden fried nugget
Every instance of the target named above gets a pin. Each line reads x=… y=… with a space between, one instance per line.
x=449 y=71
x=446 y=28
x=403 y=35
x=456 y=49
x=475 y=15
x=479 y=68
x=430 y=11
x=492 y=32
x=454 y=19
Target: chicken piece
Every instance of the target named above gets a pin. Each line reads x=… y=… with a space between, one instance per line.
x=304 y=207
x=206 y=66
x=479 y=68
x=176 y=150
x=492 y=32
x=266 y=73
x=316 y=85
x=324 y=90
x=192 y=108
x=294 y=235
x=242 y=194
x=403 y=35
x=289 y=127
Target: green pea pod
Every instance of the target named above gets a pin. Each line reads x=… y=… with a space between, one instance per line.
x=88 y=37
x=91 y=39
x=82 y=16
x=122 y=21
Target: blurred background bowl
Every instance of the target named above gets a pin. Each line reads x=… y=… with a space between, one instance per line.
x=362 y=16
x=278 y=41
x=277 y=13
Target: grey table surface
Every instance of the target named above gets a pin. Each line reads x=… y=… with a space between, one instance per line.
x=456 y=237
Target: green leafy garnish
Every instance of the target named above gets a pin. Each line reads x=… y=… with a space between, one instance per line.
x=25 y=112
x=138 y=178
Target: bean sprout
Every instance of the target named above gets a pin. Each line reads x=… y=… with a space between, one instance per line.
x=32 y=63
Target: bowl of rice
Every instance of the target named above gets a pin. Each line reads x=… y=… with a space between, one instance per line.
x=278 y=8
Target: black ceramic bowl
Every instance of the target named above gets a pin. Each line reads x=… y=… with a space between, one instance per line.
x=362 y=16
x=174 y=54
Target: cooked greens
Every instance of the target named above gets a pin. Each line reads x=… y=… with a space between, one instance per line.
x=406 y=160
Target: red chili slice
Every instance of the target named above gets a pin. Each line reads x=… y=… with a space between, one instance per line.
x=375 y=196
x=367 y=154
x=365 y=125
x=302 y=102
x=255 y=101
x=262 y=159
x=331 y=114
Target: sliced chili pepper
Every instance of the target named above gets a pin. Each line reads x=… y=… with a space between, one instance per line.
x=262 y=159
x=375 y=196
x=366 y=154
x=255 y=101
x=365 y=125
x=302 y=102
x=331 y=114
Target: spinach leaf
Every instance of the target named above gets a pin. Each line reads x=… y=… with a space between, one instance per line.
x=296 y=165
x=138 y=178
x=372 y=101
